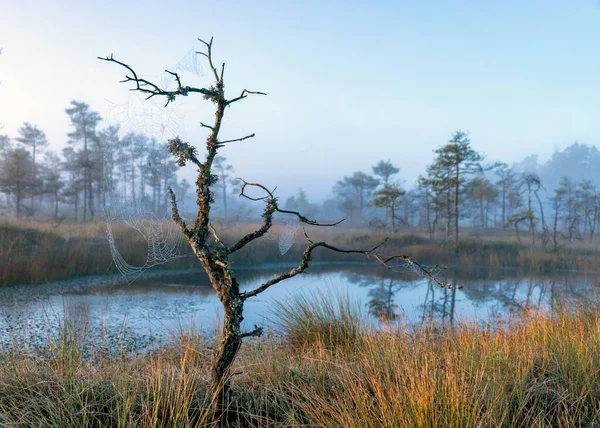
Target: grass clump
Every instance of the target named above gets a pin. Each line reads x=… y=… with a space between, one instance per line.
x=324 y=318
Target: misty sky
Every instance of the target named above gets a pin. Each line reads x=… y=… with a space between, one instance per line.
x=348 y=83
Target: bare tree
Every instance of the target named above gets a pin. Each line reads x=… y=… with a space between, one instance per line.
x=204 y=240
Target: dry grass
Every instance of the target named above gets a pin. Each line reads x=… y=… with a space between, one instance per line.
x=34 y=252
x=542 y=370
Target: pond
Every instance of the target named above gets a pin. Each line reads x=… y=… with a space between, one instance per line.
x=161 y=304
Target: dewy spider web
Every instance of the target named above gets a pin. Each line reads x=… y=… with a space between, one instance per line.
x=163 y=239
x=400 y=265
x=152 y=119
x=150 y=217
x=149 y=117
x=289 y=226
x=190 y=63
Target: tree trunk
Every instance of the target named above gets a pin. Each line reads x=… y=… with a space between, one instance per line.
x=224 y=357
x=55 y=205
x=85 y=196
x=133 y=176
x=76 y=204
x=452 y=304
x=593 y=222
x=448 y=213
x=503 y=207
x=18 y=198
x=228 y=291
x=33 y=178
x=555 y=232
x=456 y=188
x=481 y=211
x=530 y=212
x=85 y=176
x=91 y=198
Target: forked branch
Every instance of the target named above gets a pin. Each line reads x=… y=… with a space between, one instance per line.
x=243 y=95
x=270 y=195
x=307 y=257
x=271 y=208
x=147 y=87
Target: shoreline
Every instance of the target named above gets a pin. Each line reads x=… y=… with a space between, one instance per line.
x=36 y=253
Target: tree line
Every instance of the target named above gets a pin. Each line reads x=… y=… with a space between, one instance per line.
x=461 y=189
x=96 y=169
x=99 y=167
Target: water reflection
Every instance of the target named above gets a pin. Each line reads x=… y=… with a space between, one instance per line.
x=486 y=295
x=158 y=306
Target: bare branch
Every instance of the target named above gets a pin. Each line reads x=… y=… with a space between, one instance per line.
x=208 y=55
x=257 y=332
x=267 y=216
x=270 y=208
x=147 y=87
x=245 y=184
x=175 y=214
x=428 y=272
x=206 y=126
x=301 y=218
x=306 y=257
x=176 y=77
x=243 y=95
x=237 y=139
x=214 y=233
x=305 y=220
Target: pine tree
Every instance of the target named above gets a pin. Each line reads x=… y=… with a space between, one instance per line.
x=458 y=158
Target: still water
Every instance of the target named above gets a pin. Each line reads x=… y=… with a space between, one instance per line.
x=159 y=305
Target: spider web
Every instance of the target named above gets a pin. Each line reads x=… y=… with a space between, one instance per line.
x=151 y=118
x=400 y=265
x=289 y=226
x=163 y=238
x=149 y=217
x=190 y=63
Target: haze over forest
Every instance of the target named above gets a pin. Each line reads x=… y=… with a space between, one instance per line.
x=347 y=86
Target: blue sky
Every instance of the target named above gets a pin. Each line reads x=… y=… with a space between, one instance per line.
x=348 y=83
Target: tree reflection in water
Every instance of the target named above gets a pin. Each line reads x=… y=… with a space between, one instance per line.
x=488 y=297
x=381 y=301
